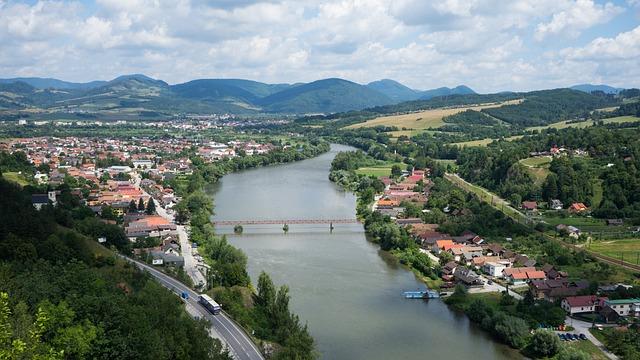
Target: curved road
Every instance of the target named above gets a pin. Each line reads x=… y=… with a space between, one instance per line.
x=239 y=343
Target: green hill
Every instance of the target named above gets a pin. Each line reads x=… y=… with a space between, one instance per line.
x=324 y=96
x=394 y=90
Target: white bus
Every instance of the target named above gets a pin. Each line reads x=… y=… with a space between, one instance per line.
x=210 y=304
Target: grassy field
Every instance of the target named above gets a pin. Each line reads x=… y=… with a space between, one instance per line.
x=588 y=347
x=421 y=120
x=379 y=170
x=484 y=142
x=538 y=167
x=627 y=248
x=583 y=124
x=16 y=178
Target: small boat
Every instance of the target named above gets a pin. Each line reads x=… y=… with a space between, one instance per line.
x=421 y=294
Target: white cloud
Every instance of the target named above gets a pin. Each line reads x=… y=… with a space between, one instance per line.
x=579 y=16
x=486 y=44
x=624 y=46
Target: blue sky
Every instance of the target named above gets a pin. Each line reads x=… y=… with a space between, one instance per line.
x=489 y=45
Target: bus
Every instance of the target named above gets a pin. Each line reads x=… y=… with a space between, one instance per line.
x=210 y=304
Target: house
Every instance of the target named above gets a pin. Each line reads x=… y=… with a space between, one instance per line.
x=142 y=164
x=556 y=204
x=524 y=261
x=519 y=276
x=466 y=276
x=552 y=273
x=625 y=307
x=448 y=269
x=571 y=231
x=615 y=222
x=529 y=205
x=495 y=268
x=578 y=208
x=552 y=290
x=442 y=245
x=609 y=316
x=40 y=200
x=582 y=304
x=162 y=258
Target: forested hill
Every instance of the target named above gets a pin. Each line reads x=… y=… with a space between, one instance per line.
x=63 y=296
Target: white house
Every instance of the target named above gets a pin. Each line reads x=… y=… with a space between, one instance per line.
x=582 y=304
x=496 y=268
x=142 y=164
x=625 y=307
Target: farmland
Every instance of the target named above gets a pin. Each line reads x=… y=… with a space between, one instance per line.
x=484 y=142
x=583 y=124
x=627 y=249
x=423 y=119
x=379 y=170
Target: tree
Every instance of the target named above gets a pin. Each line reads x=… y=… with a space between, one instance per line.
x=151 y=207
x=511 y=330
x=141 y=206
x=132 y=206
x=545 y=343
x=266 y=292
x=396 y=170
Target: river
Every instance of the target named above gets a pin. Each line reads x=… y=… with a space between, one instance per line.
x=346 y=289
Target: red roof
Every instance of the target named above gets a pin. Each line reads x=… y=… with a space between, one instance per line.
x=584 y=300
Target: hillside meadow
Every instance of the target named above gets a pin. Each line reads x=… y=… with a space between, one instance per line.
x=423 y=119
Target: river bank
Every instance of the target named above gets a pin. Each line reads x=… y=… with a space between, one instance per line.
x=346 y=289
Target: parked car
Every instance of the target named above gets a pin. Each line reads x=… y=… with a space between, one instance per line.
x=562 y=337
x=569 y=337
x=583 y=337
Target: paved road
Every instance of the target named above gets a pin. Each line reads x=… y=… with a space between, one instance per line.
x=185 y=245
x=582 y=327
x=240 y=344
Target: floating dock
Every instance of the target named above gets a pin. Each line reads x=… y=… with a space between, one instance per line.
x=424 y=294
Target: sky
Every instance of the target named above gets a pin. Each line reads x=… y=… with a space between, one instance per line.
x=489 y=45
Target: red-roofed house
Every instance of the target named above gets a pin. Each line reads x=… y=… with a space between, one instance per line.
x=578 y=208
x=442 y=245
x=582 y=304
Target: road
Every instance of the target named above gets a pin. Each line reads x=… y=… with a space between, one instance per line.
x=494 y=287
x=582 y=327
x=240 y=345
x=185 y=245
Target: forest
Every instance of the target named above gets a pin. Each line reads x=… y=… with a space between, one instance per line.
x=62 y=296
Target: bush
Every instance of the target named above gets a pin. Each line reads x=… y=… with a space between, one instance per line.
x=544 y=343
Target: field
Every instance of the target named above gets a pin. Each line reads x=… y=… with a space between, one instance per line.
x=421 y=120
x=379 y=170
x=538 y=167
x=583 y=124
x=629 y=249
x=484 y=142
x=16 y=178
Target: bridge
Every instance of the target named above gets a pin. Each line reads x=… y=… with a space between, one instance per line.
x=285 y=222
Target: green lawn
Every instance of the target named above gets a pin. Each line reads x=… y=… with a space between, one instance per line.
x=627 y=248
x=597 y=192
x=379 y=170
x=16 y=178
x=484 y=142
x=537 y=161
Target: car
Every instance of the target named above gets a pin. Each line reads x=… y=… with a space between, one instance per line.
x=490 y=282
x=583 y=337
x=569 y=337
x=562 y=337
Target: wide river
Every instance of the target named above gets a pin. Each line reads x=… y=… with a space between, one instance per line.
x=348 y=291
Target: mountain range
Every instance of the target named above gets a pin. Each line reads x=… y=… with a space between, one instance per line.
x=129 y=92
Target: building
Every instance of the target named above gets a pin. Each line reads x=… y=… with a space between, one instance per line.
x=529 y=205
x=571 y=231
x=582 y=304
x=466 y=276
x=495 y=268
x=578 y=208
x=552 y=290
x=556 y=204
x=142 y=164
x=40 y=200
x=625 y=307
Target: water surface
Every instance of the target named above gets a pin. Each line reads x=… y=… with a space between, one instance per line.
x=347 y=290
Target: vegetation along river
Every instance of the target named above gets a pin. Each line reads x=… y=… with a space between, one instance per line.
x=348 y=291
